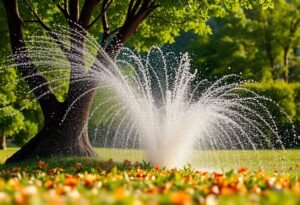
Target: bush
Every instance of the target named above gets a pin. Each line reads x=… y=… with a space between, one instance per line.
x=285 y=109
x=280 y=92
x=296 y=88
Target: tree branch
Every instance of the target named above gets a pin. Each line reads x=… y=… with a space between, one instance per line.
x=24 y=64
x=74 y=10
x=294 y=26
x=103 y=11
x=86 y=12
x=64 y=11
x=31 y=21
x=114 y=31
x=106 y=30
x=50 y=32
x=138 y=11
x=65 y=6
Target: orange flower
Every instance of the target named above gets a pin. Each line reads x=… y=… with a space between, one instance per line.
x=127 y=163
x=242 y=169
x=181 y=197
x=53 y=171
x=217 y=175
x=89 y=180
x=42 y=164
x=71 y=181
x=232 y=187
x=79 y=165
x=156 y=168
x=20 y=198
x=141 y=174
x=16 y=169
x=49 y=184
x=165 y=187
x=120 y=193
x=153 y=190
x=60 y=190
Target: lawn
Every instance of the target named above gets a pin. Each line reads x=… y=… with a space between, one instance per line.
x=287 y=161
x=268 y=180
x=271 y=160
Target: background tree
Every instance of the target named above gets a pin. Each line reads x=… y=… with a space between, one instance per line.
x=11 y=121
x=117 y=21
x=258 y=43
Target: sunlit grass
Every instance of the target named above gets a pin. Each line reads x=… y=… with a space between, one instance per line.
x=287 y=161
x=4 y=154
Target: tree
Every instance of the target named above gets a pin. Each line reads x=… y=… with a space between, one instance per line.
x=120 y=20
x=10 y=123
x=260 y=43
x=18 y=125
x=279 y=29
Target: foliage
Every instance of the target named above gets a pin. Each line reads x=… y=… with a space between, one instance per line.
x=171 y=17
x=20 y=118
x=11 y=121
x=10 y=124
x=284 y=107
x=296 y=88
x=94 y=182
x=162 y=27
x=4 y=45
x=29 y=130
x=280 y=93
x=259 y=43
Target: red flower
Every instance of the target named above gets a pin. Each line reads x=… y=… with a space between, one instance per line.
x=242 y=169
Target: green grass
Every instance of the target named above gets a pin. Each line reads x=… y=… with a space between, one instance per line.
x=270 y=160
x=4 y=154
x=280 y=160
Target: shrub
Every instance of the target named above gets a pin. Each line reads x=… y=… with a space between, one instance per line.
x=285 y=109
x=279 y=92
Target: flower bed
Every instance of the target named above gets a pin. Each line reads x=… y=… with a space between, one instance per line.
x=93 y=182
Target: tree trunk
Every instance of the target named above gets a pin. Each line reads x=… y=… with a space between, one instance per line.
x=63 y=135
x=285 y=74
x=2 y=142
